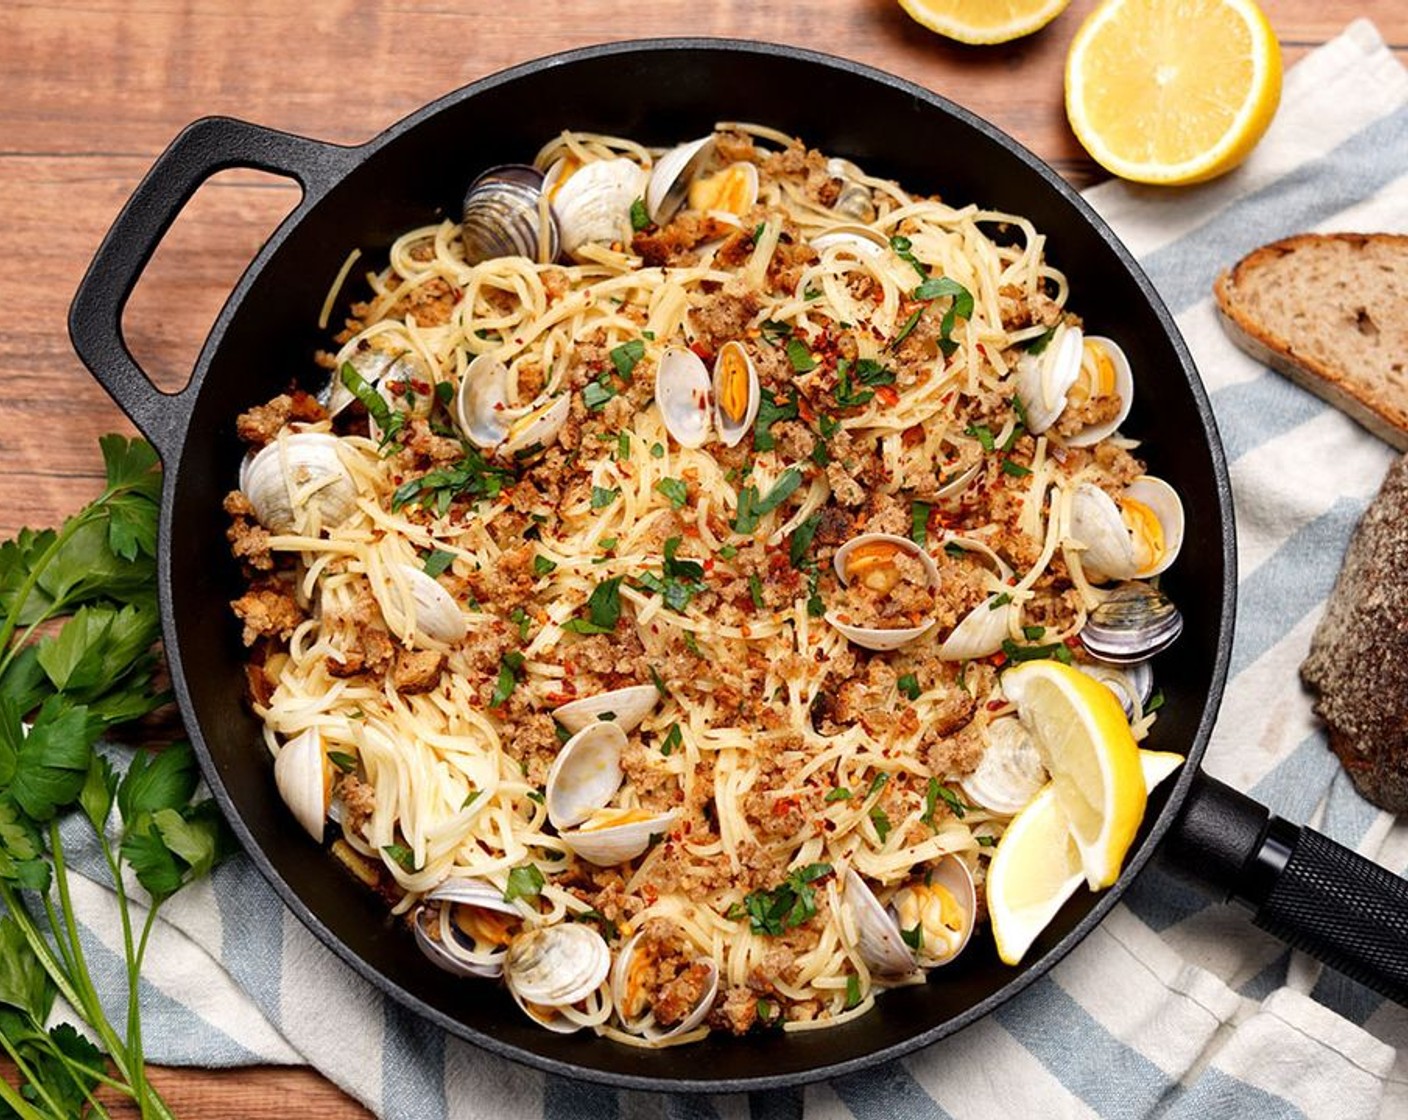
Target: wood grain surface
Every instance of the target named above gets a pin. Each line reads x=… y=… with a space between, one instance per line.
x=92 y=90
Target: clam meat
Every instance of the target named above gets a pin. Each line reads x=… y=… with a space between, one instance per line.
x=889 y=586
x=469 y=928
x=1134 y=536
x=661 y=984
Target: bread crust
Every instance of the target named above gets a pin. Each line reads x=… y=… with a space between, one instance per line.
x=1379 y=409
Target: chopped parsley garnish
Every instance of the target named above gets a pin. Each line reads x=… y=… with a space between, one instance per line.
x=775 y=333
x=598 y=392
x=470 y=798
x=1018 y=431
x=603 y=610
x=986 y=841
x=1041 y=341
x=402 y=856
x=1016 y=653
x=675 y=490
x=800 y=356
x=520 y=618
x=881 y=820
x=802 y=539
x=812 y=293
x=755 y=589
x=542 y=565
x=1016 y=470
x=727 y=552
x=784 y=907
x=444 y=393
x=751 y=507
x=602 y=497
x=931 y=802
x=436 y=561
x=877 y=783
x=1156 y=702
x=674 y=739
x=680 y=580
x=983 y=434
x=960 y=308
x=954 y=549
x=770 y=412
x=908 y=328
x=472 y=477
x=846 y=395
x=840 y=793
x=524 y=881
x=904 y=249
x=659 y=684
x=919 y=523
x=913 y=937
x=815 y=607
x=958 y=807
x=623 y=446
x=388 y=421
x=1033 y=633
x=852 y=991
x=640 y=216
x=1000 y=600
x=343 y=761
x=909 y=685
x=758 y=231
x=871 y=372
x=625 y=357
x=509 y=667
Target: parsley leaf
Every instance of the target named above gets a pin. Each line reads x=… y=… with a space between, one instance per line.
x=800 y=355
x=770 y=412
x=751 y=508
x=524 y=881
x=603 y=610
x=602 y=497
x=771 y=912
x=674 y=739
x=983 y=434
x=625 y=357
x=960 y=308
x=472 y=477
x=919 y=523
x=675 y=490
x=542 y=565
x=640 y=216
x=909 y=686
x=801 y=542
x=436 y=561
x=390 y=423
x=509 y=666
x=846 y=395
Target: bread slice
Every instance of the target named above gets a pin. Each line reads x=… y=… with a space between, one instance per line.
x=1330 y=311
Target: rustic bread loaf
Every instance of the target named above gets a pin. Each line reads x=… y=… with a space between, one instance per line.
x=1358 y=663
x=1330 y=311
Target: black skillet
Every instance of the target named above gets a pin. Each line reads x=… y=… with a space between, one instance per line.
x=1302 y=886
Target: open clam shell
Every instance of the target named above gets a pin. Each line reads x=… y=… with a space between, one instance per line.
x=684 y=396
x=612 y=836
x=672 y=175
x=981 y=631
x=880 y=943
x=737 y=394
x=625 y=707
x=489 y=419
x=854 y=200
x=303 y=777
x=298 y=476
x=469 y=932
x=593 y=202
x=635 y=1003
x=585 y=775
x=1133 y=623
x=1104 y=371
x=502 y=217
x=374 y=360
x=864 y=558
x=855 y=240
x=935 y=913
x=1132 y=684
x=1044 y=380
x=1133 y=538
x=438 y=616
x=1010 y=773
x=556 y=966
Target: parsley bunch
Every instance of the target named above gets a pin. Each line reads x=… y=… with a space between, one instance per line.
x=77 y=657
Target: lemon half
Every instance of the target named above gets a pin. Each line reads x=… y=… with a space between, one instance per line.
x=984 y=21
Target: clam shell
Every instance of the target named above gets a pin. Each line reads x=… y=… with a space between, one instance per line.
x=732 y=363
x=880 y=944
x=593 y=204
x=711 y=193
x=482 y=408
x=980 y=632
x=443 y=953
x=1043 y=380
x=684 y=396
x=867 y=637
x=557 y=965
x=854 y=200
x=585 y=775
x=303 y=777
x=452 y=950
x=938 y=948
x=438 y=616
x=856 y=240
x=373 y=361
x=644 y=1024
x=538 y=427
x=612 y=844
x=500 y=216
x=1112 y=549
x=959 y=483
x=301 y=473
x=670 y=178
x=1132 y=684
x=1134 y=622
x=1124 y=388
x=1010 y=773
x=626 y=707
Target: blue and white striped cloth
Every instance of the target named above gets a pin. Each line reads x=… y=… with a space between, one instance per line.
x=1174 y=1007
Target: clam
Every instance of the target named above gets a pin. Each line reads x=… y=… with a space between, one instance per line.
x=877 y=562
x=654 y=972
x=1104 y=372
x=854 y=200
x=1043 y=380
x=303 y=777
x=612 y=836
x=1136 y=536
x=490 y=421
x=672 y=175
x=437 y=615
x=296 y=476
x=683 y=394
x=927 y=924
x=736 y=392
x=473 y=927
x=1010 y=773
x=593 y=202
x=983 y=629
x=958 y=483
x=1134 y=622
x=625 y=707
x=855 y=240
x=502 y=217
x=553 y=968
x=734 y=190
x=1132 y=684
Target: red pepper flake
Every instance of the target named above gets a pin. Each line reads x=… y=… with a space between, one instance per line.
x=702 y=351
x=784 y=806
x=709 y=564
x=996 y=705
x=887 y=396
x=560 y=697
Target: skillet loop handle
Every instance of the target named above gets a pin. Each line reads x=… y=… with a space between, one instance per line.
x=202 y=149
x=1340 y=908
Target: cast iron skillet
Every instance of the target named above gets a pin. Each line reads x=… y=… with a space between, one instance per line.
x=663 y=92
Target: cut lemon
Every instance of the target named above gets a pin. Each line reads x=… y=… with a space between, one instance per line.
x=1084 y=739
x=1037 y=865
x=1172 y=91
x=984 y=21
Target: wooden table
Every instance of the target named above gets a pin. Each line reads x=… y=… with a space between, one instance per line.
x=92 y=90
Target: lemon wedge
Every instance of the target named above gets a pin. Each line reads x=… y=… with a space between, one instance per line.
x=1084 y=739
x=984 y=21
x=1037 y=865
x=1172 y=91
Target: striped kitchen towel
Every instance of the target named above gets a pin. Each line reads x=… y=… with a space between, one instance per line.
x=1174 y=1007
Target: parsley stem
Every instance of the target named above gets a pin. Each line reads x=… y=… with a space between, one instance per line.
x=22 y=1107
x=27 y=1076
x=12 y=618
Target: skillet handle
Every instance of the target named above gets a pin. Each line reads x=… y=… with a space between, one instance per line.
x=202 y=149
x=1316 y=895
